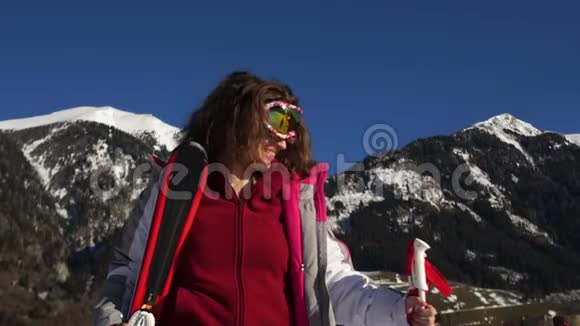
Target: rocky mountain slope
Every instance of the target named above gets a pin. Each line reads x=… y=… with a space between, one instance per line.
x=67 y=184
x=499 y=202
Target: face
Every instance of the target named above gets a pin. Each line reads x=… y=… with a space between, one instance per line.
x=281 y=122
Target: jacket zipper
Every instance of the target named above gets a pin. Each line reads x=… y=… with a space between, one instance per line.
x=239 y=259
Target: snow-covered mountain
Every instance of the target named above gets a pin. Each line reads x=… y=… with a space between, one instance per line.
x=68 y=181
x=482 y=196
x=73 y=150
x=131 y=123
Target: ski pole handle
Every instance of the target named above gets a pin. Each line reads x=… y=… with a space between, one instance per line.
x=142 y=318
x=418 y=275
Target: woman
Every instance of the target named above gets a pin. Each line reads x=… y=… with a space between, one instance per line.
x=260 y=251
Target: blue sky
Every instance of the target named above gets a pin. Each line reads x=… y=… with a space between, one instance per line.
x=423 y=67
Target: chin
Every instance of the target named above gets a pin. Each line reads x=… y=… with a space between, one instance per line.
x=267 y=163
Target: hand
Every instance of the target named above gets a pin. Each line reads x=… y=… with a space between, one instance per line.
x=419 y=313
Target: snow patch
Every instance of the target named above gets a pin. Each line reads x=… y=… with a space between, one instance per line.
x=38 y=163
x=101 y=156
x=452 y=298
x=406 y=221
x=62 y=212
x=496 y=198
x=118 y=166
x=528 y=227
x=350 y=200
x=570 y=296
x=42 y=295
x=508 y=275
x=463 y=154
x=398 y=279
x=60 y=194
x=499 y=300
x=575 y=138
x=488 y=299
x=504 y=126
x=437 y=236
x=470 y=255
x=481 y=297
x=466 y=209
x=138 y=188
x=410 y=184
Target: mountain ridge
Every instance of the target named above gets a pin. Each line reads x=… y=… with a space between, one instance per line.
x=128 y=122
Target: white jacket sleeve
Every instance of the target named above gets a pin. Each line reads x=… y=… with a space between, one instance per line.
x=118 y=288
x=355 y=299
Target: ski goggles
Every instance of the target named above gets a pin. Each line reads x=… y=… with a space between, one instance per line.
x=283 y=119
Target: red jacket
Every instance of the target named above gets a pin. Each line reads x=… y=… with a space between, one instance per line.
x=233 y=268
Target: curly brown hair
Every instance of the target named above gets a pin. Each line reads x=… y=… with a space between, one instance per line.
x=230 y=122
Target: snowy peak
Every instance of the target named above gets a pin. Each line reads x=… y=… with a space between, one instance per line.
x=506 y=127
x=128 y=122
x=575 y=138
x=507 y=122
